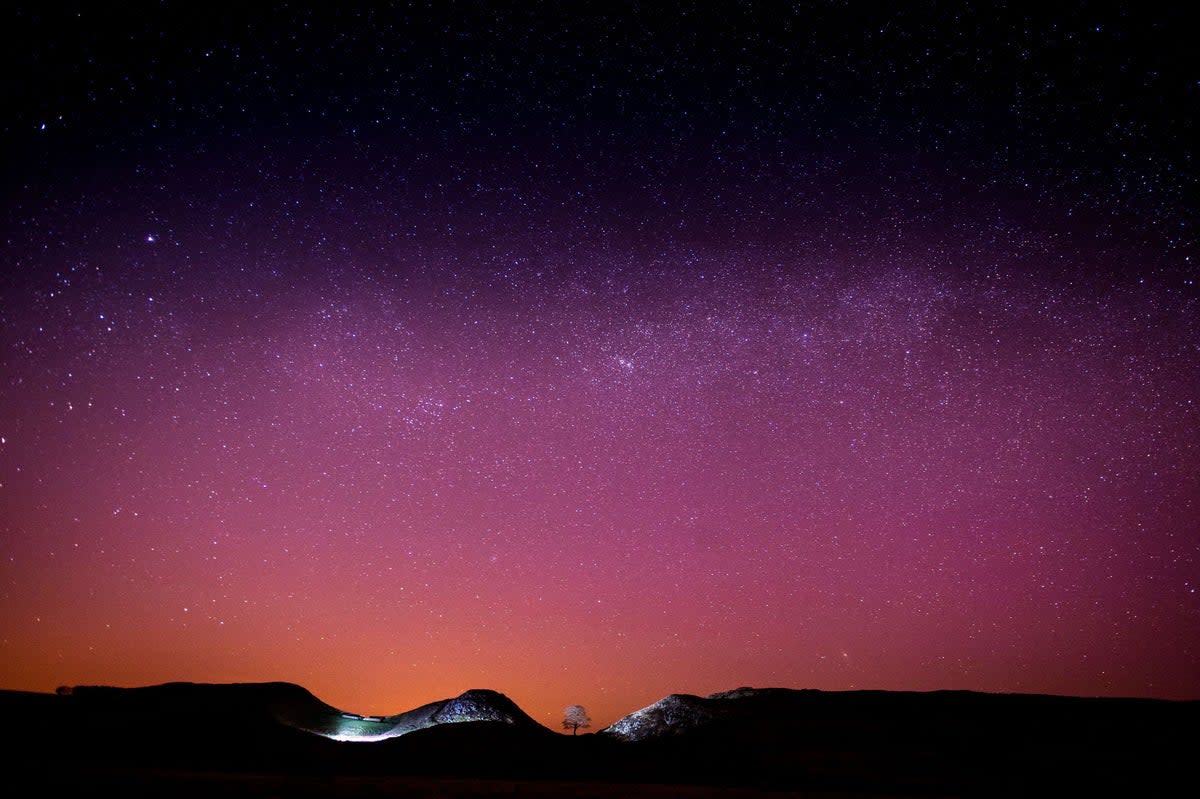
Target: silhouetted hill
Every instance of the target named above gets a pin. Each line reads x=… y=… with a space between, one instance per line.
x=890 y=743
x=175 y=724
x=923 y=742
x=232 y=725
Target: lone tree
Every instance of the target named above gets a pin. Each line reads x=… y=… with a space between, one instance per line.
x=576 y=717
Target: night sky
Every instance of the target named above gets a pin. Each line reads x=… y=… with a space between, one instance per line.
x=591 y=353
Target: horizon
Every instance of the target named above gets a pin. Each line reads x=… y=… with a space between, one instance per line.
x=592 y=727
x=592 y=357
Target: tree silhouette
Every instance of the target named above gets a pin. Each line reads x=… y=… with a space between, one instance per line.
x=575 y=717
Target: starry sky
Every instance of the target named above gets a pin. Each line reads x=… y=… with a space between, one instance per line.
x=594 y=352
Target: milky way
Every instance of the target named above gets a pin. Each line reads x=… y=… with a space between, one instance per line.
x=592 y=359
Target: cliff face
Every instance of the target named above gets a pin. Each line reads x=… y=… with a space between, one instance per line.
x=480 y=705
x=670 y=715
x=474 y=705
x=681 y=713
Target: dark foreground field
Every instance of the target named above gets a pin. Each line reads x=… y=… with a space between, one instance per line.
x=186 y=785
x=256 y=740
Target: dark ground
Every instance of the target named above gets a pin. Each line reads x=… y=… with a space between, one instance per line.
x=185 y=785
x=185 y=740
